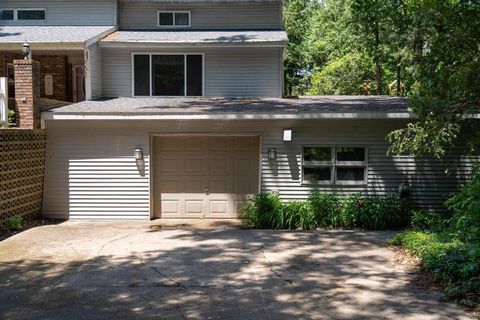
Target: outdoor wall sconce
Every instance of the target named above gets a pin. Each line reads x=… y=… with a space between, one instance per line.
x=287 y=135
x=272 y=154
x=138 y=154
x=26 y=50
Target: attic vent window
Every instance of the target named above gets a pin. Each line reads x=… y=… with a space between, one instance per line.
x=22 y=14
x=174 y=19
x=6 y=14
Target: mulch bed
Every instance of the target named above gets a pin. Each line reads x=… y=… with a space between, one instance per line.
x=28 y=224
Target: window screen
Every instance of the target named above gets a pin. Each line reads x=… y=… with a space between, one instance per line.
x=6 y=15
x=182 y=18
x=334 y=165
x=142 y=75
x=194 y=75
x=31 y=14
x=168 y=75
x=165 y=18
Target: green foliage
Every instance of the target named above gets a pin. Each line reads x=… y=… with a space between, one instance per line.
x=262 y=212
x=453 y=263
x=15 y=222
x=426 y=220
x=11 y=117
x=327 y=211
x=466 y=206
x=449 y=245
x=345 y=75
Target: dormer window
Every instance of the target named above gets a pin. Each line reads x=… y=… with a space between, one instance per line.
x=173 y=19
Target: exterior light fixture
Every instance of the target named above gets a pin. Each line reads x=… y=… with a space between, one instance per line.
x=287 y=135
x=138 y=154
x=272 y=154
x=26 y=50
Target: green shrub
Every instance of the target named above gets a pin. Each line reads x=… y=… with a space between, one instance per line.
x=15 y=222
x=466 y=207
x=453 y=263
x=11 y=117
x=426 y=220
x=324 y=210
x=262 y=211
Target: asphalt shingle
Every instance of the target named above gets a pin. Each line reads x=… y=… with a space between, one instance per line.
x=317 y=104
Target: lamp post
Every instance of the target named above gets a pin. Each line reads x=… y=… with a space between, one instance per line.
x=26 y=51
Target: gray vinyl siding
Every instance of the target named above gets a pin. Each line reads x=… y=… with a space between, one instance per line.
x=95 y=67
x=205 y=16
x=229 y=72
x=67 y=13
x=91 y=174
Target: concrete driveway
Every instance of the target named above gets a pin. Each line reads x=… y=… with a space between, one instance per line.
x=78 y=270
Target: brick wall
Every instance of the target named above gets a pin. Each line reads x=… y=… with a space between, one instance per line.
x=22 y=170
x=56 y=67
x=53 y=65
x=27 y=93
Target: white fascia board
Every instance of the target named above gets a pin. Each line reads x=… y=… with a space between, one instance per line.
x=45 y=45
x=230 y=116
x=159 y=44
x=100 y=36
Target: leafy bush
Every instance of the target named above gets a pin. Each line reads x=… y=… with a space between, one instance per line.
x=11 y=117
x=449 y=245
x=427 y=220
x=262 y=212
x=15 y=223
x=327 y=211
x=466 y=207
x=324 y=208
x=453 y=263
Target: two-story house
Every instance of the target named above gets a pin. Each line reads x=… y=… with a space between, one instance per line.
x=184 y=115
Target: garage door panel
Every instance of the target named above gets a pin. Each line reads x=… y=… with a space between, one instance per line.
x=204 y=176
x=218 y=144
x=194 y=143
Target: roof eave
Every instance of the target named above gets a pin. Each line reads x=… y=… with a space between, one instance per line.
x=228 y=116
x=161 y=44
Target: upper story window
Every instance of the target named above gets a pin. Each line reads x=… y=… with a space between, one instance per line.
x=174 y=19
x=23 y=14
x=167 y=74
x=334 y=165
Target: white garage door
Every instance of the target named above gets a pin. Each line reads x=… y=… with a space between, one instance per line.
x=204 y=176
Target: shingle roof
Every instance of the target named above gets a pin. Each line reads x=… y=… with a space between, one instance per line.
x=265 y=37
x=317 y=104
x=198 y=1
x=72 y=35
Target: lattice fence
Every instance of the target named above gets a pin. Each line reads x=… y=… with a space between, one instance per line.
x=22 y=170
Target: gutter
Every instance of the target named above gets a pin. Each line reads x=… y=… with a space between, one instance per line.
x=161 y=44
x=229 y=116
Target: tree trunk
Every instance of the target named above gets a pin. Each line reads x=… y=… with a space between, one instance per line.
x=378 y=62
x=399 y=79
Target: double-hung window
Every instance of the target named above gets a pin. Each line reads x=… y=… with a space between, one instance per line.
x=174 y=19
x=334 y=165
x=23 y=14
x=168 y=74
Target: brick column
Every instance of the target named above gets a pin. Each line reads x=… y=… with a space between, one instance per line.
x=27 y=93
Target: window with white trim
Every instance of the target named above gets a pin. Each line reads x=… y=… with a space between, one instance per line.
x=168 y=74
x=23 y=14
x=174 y=18
x=334 y=165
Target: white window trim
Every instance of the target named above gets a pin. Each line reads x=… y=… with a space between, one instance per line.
x=150 y=54
x=15 y=13
x=174 y=19
x=333 y=164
